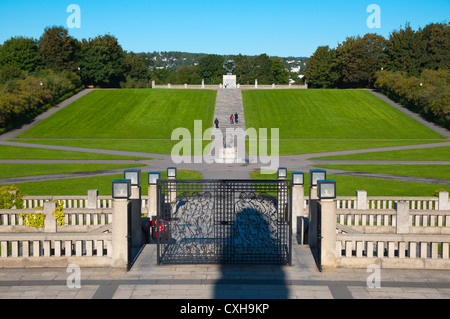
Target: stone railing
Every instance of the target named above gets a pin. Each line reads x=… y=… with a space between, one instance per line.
x=84 y=238
x=70 y=201
x=220 y=86
x=405 y=251
x=393 y=232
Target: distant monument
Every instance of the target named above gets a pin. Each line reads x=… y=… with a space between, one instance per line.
x=229 y=80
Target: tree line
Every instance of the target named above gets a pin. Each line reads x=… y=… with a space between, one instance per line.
x=409 y=66
x=265 y=69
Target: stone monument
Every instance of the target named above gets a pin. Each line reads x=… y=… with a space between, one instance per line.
x=229 y=80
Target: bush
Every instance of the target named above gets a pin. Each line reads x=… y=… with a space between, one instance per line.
x=428 y=95
x=10 y=196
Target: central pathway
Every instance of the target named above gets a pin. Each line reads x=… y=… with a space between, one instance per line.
x=229 y=101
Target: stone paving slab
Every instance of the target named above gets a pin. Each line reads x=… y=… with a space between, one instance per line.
x=146 y=280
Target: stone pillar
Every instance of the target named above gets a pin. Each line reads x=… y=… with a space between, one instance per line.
x=328 y=229
x=256 y=83
x=153 y=84
x=152 y=201
x=361 y=200
x=120 y=233
x=298 y=212
x=203 y=83
x=185 y=85
x=312 y=227
x=50 y=220
x=402 y=217
x=443 y=203
x=92 y=199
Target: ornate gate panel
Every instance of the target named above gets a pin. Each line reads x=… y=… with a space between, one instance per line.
x=224 y=221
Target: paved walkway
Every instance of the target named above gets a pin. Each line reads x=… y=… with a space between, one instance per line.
x=146 y=280
x=229 y=101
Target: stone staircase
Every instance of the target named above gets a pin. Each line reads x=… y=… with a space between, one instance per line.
x=229 y=101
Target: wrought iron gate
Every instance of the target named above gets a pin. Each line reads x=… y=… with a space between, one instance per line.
x=224 y=221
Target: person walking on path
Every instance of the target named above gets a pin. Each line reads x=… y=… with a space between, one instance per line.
x=216 y=122
x=236 y=117
x=231 y=119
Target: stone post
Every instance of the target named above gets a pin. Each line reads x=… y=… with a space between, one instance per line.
x=256 y=83
x=203 y=83
x=153 y=84
x=312 y=227
x=92 y=199
x=298 y=212
x=328 y=232
x=152 y=201
x=361 y=200
x=50 y=220
x=443 y=203
x=120 y=233
x=402 y=209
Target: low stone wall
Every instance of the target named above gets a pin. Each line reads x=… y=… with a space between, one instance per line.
x=219 y=86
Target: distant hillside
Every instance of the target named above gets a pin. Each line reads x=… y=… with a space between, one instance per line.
x=172 y=60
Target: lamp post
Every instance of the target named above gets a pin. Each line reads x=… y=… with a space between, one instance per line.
x=121 y=192
x=134 y=175
x=172 y=187
x=326 y=214
x=153 y=178
x=298 y=208
x=121 y=189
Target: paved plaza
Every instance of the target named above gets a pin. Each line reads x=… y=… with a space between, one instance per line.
x=146 y=280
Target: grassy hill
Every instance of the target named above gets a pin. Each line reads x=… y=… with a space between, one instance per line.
x=128 y=113
x=330 y=114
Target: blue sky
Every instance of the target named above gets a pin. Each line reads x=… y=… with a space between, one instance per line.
x=282 y=28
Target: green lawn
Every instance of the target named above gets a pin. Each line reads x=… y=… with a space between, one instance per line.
x=428 y=171
x=332 y=114
x=320 y=146
x=348 y=185
x=80 y=186
x=128 y=113
x=425 y=154
x=15 y=152
x=19 y=170
x=145 y=146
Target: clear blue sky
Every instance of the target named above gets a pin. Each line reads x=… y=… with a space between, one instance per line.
x=282 y=27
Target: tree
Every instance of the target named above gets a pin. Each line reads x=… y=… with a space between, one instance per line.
x=262 y=69
x=58 y=49
x=101 y=61
x=436 y=37
x=321 y=70
x=211 y=68
x=136 y=71
x=359 y=59
x=243 y=70
x=280 y=74
x=405 y=51
x=20 y=52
